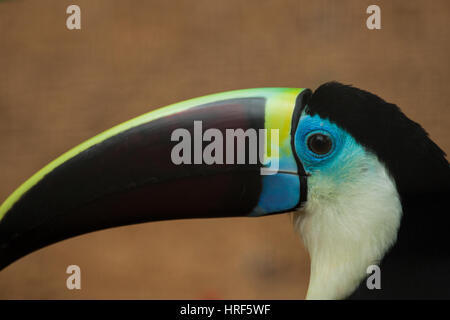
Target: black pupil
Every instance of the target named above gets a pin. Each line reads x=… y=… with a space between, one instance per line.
x=319 y=143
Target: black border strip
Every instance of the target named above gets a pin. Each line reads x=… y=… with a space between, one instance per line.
x=300 y=104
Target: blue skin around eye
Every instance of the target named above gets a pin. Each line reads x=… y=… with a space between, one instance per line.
x=281 y=192
x=344 y=148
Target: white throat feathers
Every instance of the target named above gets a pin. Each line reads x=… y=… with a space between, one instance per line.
x=348 y=224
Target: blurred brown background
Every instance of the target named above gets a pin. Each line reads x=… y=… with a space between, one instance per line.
x=60 y=87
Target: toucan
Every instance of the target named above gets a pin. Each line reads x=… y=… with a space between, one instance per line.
x=365 y=185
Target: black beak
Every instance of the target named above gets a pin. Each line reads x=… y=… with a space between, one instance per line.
x=128 y=175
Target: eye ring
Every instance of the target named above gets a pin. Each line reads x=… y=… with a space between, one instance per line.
x=319 y=144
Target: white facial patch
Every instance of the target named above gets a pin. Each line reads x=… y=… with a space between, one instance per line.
x=350 y=220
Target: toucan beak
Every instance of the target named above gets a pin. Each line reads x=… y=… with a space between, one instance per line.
x=175 y=162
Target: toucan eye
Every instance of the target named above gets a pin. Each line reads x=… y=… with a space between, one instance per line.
x=319 y=143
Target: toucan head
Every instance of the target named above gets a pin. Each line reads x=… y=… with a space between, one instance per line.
x=326 y=156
